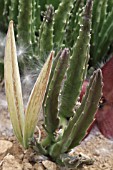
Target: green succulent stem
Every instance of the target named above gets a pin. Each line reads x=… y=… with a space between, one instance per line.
x=51 y=101
x=91 y=105
x=13 y=13
x=37 y=15
x=78 y=125
x=25 y=22
x=75 y=72
x=46 y=37
x=62 y=15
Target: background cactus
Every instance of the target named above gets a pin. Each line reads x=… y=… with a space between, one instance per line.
x=32 y=26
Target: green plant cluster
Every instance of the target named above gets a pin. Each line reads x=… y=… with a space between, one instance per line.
x=64 y=124
x=102 y=28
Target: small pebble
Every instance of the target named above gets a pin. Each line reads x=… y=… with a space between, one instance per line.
x=49 y=165
x=38 y=166
x=27 y=166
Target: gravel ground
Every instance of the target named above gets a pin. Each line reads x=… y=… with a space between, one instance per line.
x=96 y=146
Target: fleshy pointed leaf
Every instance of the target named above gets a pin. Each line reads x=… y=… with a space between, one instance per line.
x=13 y=85
x=35 y=100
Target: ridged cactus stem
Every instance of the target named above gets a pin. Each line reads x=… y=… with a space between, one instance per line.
x=91 y=106
x=74 y=23
x=60 y=19
x=54 y=3
x=25 y=22
x=37 y=16
x=42 y=4
x=76 y=69
x=76 y=116
x=110 y=5
x=76 y=27
x=1 y=7
x=6 y=12
x=95 y=21
x=102 y=9
x=33 y=28
x=51 y=102
x=103 y=14
x=55 y=61
x=46 y=37
x=104 y=38
x=13 y=13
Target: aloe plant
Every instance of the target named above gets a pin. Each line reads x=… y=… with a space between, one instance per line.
x=23 y=122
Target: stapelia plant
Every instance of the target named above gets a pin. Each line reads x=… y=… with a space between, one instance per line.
x=64 y=124
x=23 y=122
